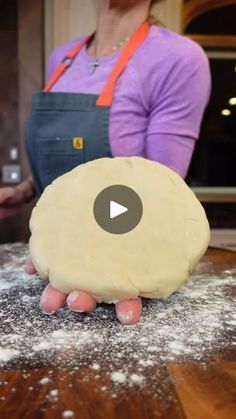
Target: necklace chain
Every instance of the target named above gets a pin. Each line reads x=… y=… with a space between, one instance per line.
x=96 y=61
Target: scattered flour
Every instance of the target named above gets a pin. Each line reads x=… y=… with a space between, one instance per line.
x=146 y=363
x=67 y=414
x=136 y=379
x=7 y=354
x=118 y=377
x=191 y=325
x=53 y=395
x=41 y=346
x=44 y=380
x=95 y=367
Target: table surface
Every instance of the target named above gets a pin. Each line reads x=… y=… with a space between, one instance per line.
x=178 y=362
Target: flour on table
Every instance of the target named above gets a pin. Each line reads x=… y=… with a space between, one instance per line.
x=54 y=393
x=136 y=379
x=7 y=354
x=189 y=326
x=95 y=367
x=118 y=377
x=44 y=380
x=67 y=414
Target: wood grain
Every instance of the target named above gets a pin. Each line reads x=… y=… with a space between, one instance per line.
x=206 y=392
x=83 y=395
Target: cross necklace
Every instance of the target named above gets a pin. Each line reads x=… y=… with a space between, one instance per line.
x=96 y=61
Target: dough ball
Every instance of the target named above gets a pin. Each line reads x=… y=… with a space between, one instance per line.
x=70 y=249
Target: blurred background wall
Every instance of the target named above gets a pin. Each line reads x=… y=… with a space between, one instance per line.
x=65 y=20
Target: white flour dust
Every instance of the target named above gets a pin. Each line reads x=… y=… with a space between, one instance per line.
x=44 y=380
x=191 y=325
x=67 y=414
x=7 y=354
x=118 y=377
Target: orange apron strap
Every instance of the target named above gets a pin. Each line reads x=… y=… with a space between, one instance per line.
x=105 y=99
x=66 y=63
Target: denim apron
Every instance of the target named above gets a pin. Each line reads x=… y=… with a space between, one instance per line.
x=65 y=130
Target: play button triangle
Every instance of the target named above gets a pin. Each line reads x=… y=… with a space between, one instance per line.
x=116 y=209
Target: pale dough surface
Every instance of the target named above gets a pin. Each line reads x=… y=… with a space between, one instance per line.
x=69 y=248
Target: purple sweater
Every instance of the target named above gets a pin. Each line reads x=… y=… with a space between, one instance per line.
x=159 y=100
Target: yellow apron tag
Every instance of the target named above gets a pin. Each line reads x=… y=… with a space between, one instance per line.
x=78 y=143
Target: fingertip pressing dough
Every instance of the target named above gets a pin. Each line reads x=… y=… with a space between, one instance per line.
x=69 y=248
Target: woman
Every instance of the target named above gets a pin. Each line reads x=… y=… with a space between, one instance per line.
x=131 y=89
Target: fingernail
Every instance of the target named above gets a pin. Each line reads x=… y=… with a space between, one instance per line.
x=126 y=316
x=48 y=313
x=78 y=311
x=72 y=297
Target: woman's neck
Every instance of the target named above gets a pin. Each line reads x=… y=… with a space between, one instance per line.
x=115 y=24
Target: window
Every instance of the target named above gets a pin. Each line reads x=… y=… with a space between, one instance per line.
x=212 y=172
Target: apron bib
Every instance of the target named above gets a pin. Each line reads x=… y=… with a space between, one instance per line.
x=65 y=130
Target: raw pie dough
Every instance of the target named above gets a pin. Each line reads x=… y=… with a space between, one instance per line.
x=153 y=260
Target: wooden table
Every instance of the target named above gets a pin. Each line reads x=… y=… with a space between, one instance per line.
x=184 y=387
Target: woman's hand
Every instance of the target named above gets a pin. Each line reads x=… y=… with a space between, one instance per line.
x=128 y=312
x=13 y=197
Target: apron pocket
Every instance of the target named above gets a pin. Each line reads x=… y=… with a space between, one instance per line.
x=57 y=156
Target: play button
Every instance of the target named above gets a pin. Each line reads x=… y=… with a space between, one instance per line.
x=118 y=209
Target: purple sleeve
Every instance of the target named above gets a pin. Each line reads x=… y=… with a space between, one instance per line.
x=176 y=113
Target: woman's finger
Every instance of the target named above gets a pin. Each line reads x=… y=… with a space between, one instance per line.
x=81 y=302
x=129 y=312
x=29 y=267
x=6 y=194
x=52 y=300
x=7 y=212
